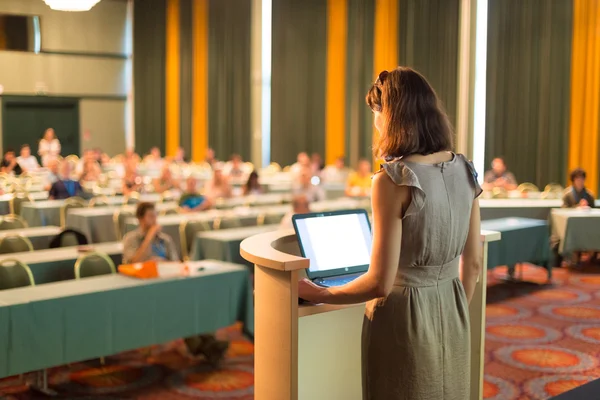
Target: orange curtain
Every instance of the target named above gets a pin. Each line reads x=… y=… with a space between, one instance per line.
x=385 y=47
x=585 y=90
x=337 y=30
x=200 y=79
x=172 y=79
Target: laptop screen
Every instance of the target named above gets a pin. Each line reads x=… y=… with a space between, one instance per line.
x=336 y=243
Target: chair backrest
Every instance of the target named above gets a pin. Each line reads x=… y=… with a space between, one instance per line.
x=12 y=221
x=227 y=223
x=68 y=238
x=94 y=264
x=16 y=203
x=15 y=244
x=527 y=188
x=15 y=274
x=119 y=218
x=168 y=211
x=71 y=202
x=98 y=201
x=167 y=195
x=132 y=198
x=187 y=232
x=499 y=193
x=554 y=188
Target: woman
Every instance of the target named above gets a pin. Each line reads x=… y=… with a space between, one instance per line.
x=91 y=171
x=49 y=148
x=416 y=329
x=218 y=187
x=252 y=185
x=132 y=182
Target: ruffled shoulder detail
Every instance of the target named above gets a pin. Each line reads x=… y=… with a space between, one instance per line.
x=473 y=174
x=402 y=175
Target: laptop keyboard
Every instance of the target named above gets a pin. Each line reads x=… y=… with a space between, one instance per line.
x=338 y=281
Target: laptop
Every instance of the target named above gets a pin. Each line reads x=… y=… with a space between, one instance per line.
x=337 y=243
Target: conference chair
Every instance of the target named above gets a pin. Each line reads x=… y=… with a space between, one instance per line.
x=269 y=219
x=499 y=193
x=527 y=188
x=16 y=203
x=168 y=211
x=227 y=223
x=94 y=264
x=187 y=233
x=553 y=190
x=167 y=196
x=119 y=218
x=132 y=198
x=12 y=221
x=70 y=203
x=15 y=244
x=68 y=238
x=72 y=158
x=15 y=274
x=99 y=201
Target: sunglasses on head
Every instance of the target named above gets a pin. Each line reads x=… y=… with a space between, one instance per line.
x=381 y=77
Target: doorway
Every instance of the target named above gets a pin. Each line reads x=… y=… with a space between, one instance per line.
x=25 y=118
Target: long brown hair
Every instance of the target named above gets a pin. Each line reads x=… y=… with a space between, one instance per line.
x=414 y=121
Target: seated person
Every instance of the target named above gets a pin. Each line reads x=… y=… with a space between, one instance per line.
x=252 y=186
x=27 y=162
x=53 y=175
x=179 y=157
x=191 y=200
x=235 y=167
x=10 y=164
x=499 y=176
x=154 y=159
x=299 y=206
x=304 y=186
x=65 y=187
x=359 y=182
x=218 y=186
x=132 y=182
x=149 y=243
x=91 y=171
x=210 y=157
x=336 y=173
x=316 y=163
x=165 y=181
x=302 y=162
x=577 y=195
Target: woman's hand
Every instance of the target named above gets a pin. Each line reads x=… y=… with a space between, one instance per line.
x=310 y=292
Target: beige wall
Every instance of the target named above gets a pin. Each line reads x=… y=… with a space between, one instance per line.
x=87 y=67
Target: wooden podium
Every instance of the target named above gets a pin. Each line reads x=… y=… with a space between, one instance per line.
x=312 y=352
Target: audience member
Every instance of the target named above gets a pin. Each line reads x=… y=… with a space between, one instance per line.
x=235 y=167
x=65 y=187
x=154 y=159
x=218 y=186
x=210 y=158
x=577 y=195
x=302 y=162
x=49 y=148
x=336 y=173
x=252 y=186
x=165 y=181
x=317 y=164
x=132 y=182
x=499 y=176
x=359 y=182
x=27 y=161
x=148 y=243
x=191 y=200
x=300 y=205
x=179 y=157
x=10 y=164
x=52 y=176
x=304 y=186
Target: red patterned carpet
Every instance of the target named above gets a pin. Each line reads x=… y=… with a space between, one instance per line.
x=541 y=340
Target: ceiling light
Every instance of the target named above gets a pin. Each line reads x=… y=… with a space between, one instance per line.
x=71 y=5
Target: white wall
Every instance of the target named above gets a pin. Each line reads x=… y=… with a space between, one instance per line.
x=85 y=66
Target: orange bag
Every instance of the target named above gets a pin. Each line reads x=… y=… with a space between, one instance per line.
x=145 y=270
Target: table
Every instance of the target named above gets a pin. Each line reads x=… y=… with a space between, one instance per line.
x=523 y=240
x=97 y=223
x=588 y=390
x=225 y=244
x=55 y=265
x=5 y=200
x=66 y=322
x=256 y=200
x=40 y=236
x=576 y=229
x=525 y=208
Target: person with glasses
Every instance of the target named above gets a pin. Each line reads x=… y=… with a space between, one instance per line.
x=426 y=220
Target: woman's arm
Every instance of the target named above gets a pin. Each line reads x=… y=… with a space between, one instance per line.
x=389 y=201
x=472 y=259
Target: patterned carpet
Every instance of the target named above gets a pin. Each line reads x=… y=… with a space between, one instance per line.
x=541 y=340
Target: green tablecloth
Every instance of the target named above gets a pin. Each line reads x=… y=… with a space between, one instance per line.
x=224 y=245
x=523 y=240
x=42 y=213
x=56 y=265
x=56 y=324
x=97 y=224
x=576 y=229
x=517 y=208
x=40 y=236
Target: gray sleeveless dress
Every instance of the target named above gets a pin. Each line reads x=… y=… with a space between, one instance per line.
x=415 y=342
